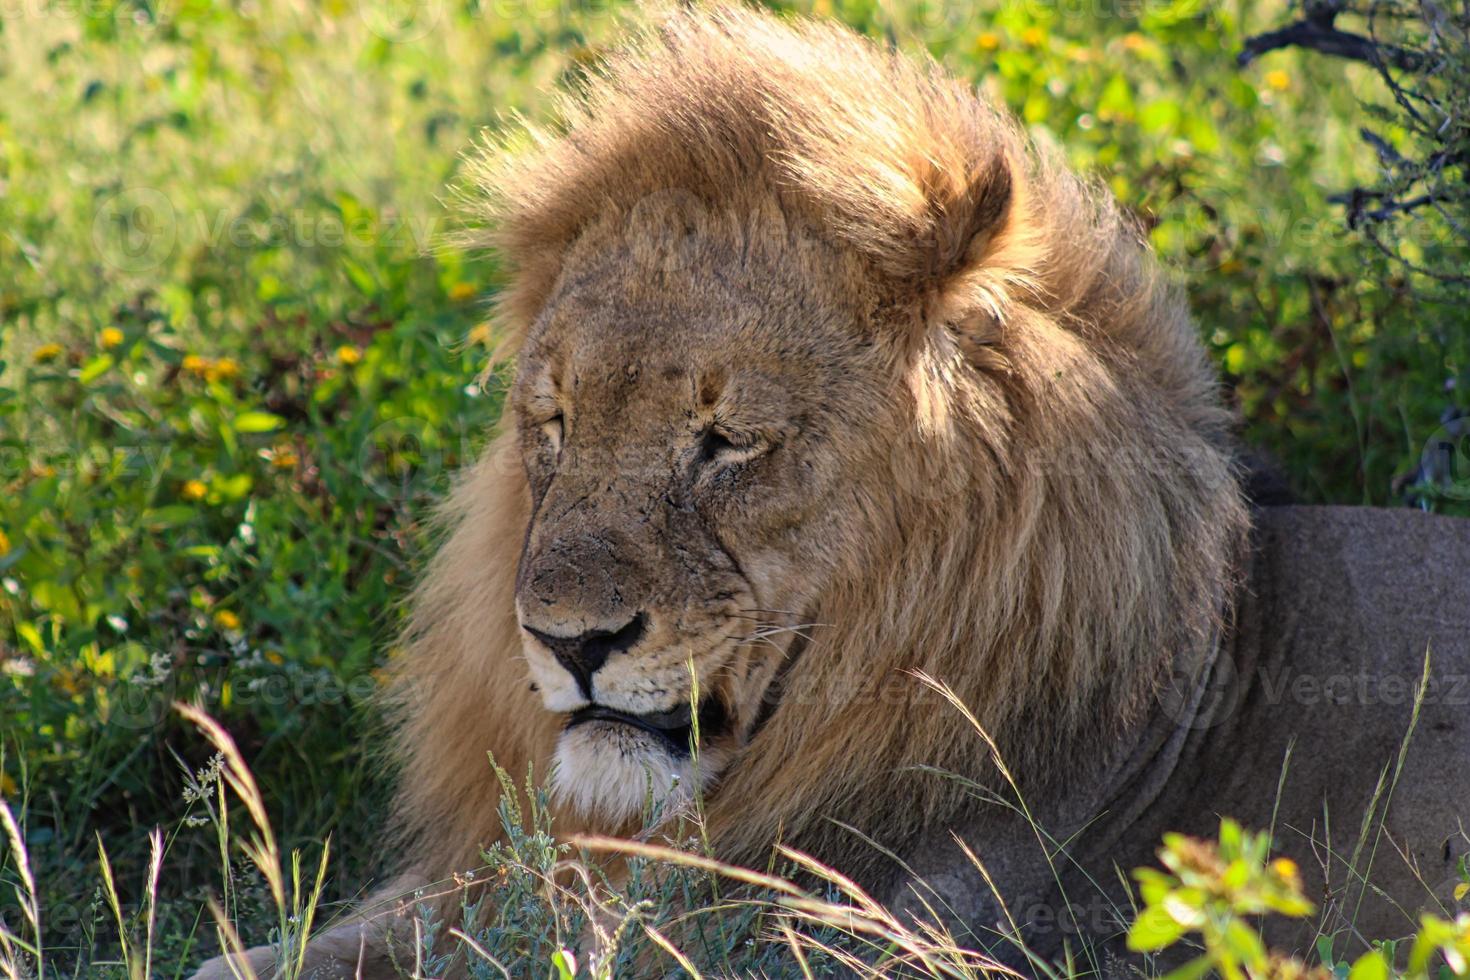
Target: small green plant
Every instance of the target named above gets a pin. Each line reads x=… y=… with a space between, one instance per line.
x=544 y=907
x=1214 y=888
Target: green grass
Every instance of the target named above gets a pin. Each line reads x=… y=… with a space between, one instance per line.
x=237 y=366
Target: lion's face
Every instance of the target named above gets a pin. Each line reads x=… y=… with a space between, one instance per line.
x=684 y=424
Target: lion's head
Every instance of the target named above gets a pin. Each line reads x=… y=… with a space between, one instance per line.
x=823 y=376
x=702 y=410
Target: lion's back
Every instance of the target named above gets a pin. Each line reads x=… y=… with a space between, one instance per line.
x=1344 y=605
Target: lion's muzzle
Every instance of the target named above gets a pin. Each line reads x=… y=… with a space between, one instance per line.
x=584 y=653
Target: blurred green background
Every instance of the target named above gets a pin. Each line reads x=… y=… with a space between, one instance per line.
x=238 y=363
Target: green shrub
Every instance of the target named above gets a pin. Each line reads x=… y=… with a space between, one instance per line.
x=1217 y=889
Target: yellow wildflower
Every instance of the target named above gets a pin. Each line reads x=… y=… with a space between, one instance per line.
x=274 y=657
x=47 y=352
x=1285 y=868
x=349 y=355
x=111 y=337
x=1278 y=80
x=8 y=789
x=282 y=457
x=988 y=41
x=4 y=544
x=480 y=334
x=461 y=291
x=195 y=364
x=1134 y=42
x=195 y=490
x=1033 y=36
x=226 y=620
x=225 y=367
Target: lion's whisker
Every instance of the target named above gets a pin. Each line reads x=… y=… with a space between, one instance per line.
x=798 y=629
x=755 y=638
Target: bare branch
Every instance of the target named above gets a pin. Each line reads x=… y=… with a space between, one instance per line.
x=1325 y=38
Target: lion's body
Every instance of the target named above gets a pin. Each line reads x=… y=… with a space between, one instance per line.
x=1343 y=606
x=1313 y=694
x=963 y=428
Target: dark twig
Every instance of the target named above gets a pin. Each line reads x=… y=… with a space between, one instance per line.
x=1329 y=40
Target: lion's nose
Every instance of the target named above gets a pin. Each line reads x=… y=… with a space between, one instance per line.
x=584 y=653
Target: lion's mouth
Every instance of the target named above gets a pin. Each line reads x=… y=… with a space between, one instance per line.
x=674 y=728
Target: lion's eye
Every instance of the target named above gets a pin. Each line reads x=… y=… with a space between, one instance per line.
x=554 y=428
x=723 y=448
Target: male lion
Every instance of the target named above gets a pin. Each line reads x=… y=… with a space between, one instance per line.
x=825 y=376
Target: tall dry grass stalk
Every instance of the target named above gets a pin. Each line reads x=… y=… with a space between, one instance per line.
x=295 y=910
x=138 y=964
x=924 y=946
x=16 y=953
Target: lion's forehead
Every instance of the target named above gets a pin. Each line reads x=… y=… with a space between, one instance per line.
x=716 y=297
x=759 y=357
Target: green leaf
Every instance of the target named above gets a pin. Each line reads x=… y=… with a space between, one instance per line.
x=32 y=636
x=95 y=368
x=1153 y=930
x=1370 y=966
x=360 y=275
x=171 y=515
x=1244 y=943
x=1186 y=906
x=258 y=422
x=1160 y=116
x=1229 y=837
x=234 y=487
x=1153 y=885
x=565 y=964
x=1116 y=99
x=1191 y=970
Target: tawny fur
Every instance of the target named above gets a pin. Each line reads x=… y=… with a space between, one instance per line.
x=1057 y=388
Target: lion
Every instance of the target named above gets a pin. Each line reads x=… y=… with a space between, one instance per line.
x=825 y=377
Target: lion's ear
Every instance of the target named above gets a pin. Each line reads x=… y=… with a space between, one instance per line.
x=919 y=187
x=968 y=210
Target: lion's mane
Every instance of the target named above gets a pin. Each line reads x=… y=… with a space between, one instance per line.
x=1065 y=514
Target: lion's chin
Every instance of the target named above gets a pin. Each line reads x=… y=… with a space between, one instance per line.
x=619 y=774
